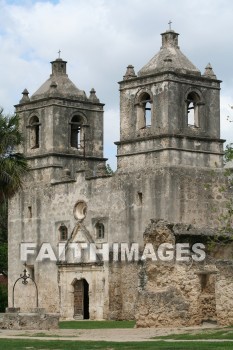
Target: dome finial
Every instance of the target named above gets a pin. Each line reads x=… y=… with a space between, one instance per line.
x=25 y=97
x=209 y=72
x=93 y=96
x=130 y=73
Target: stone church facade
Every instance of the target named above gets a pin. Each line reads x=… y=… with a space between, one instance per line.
x=167 y=188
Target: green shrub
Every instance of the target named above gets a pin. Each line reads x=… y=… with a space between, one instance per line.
x=3 y=298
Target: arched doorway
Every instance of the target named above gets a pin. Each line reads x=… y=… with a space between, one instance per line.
x=81 y=299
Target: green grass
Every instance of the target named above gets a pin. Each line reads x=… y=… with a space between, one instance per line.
x=18 y=344
x=208 y=334
x=95 y=324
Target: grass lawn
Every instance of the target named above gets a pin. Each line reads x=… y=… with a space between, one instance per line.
x=202 y=335
x=18 y=344
x=95 y=324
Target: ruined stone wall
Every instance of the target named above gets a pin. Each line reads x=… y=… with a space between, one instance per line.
x=224 y=287
x=172 y=296
x=179 y=293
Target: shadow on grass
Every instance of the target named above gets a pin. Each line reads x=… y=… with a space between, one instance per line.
x=203 y=335
x=96 y=324
x=13 y=344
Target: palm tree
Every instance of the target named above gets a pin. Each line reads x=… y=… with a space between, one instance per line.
x=13 y=165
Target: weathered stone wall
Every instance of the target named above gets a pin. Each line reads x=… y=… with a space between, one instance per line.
x=173 y=296
x=169 y=96
x=224 y=288
x=29 y=321
x=183 y=293
x=123 y=287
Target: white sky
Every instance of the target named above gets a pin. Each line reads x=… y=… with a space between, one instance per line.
x=99 y=38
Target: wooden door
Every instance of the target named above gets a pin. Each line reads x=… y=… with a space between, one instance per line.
x=78 y=299
x=81 y=299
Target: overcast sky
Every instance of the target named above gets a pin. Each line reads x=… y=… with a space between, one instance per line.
x=99 y=38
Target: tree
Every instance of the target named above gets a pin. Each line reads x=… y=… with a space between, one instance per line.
x=224 y=233
x=227 y=217
x=109 y=170
x=13 y=165
x=3 y=258
x=3 y=239
x=228 y=155
x=3 y=298
x=3 y=222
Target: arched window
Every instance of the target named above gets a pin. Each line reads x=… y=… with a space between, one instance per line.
x=34 y=125
x=63 y=232
x=192 y=109
x=144 y=111
x=148 y=113
x=99 y=230
x=76 y=135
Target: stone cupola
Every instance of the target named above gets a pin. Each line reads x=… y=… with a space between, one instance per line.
x=59 y=84
x=169 y=58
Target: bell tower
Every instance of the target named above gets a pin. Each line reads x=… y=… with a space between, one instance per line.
x=169 y=113
x=63 y=127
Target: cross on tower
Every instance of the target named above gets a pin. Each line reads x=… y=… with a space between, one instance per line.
x=170 y=27
x=59 y=52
